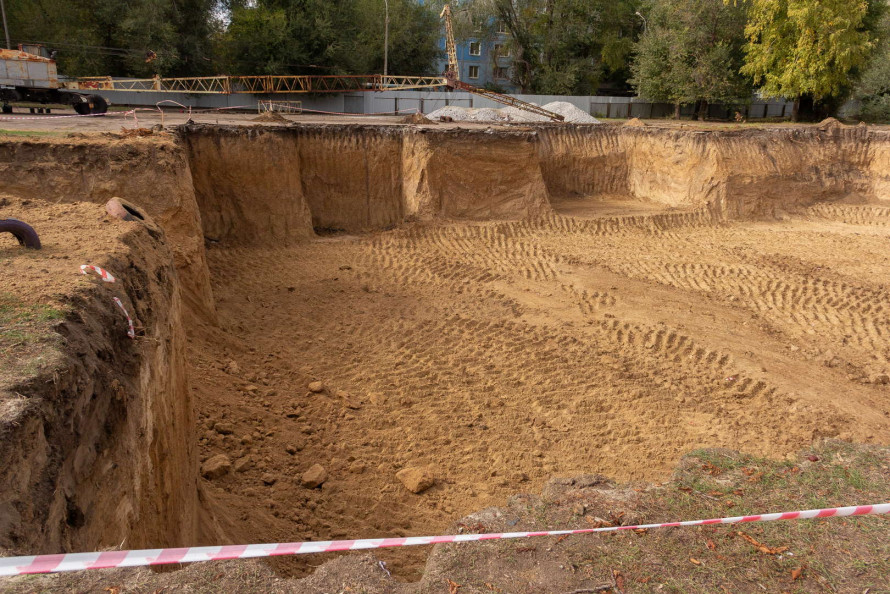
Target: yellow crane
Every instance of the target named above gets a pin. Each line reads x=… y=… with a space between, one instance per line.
x=452 y=76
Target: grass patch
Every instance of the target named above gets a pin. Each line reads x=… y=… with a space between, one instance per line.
x=21 y=133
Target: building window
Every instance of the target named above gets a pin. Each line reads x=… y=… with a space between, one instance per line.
x=475 y=48
x=502 y=72
x=501 y=51
x=502 y=27
x=474 y=72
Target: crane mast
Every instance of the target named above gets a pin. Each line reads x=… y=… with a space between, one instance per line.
x=453 y=81
x=453 y=71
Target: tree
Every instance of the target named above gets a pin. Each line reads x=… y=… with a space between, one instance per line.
x=813 y=48
x=321 y=36
x=692 y=52
x=562 y=46
x=96 y=37
x=873 y=91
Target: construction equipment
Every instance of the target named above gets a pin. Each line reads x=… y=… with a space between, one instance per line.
x=452 y=76
x=29 y=74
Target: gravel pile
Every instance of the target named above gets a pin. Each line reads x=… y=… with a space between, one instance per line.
x=571 y=113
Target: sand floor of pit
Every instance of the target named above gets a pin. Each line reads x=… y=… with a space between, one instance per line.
x=505 y=353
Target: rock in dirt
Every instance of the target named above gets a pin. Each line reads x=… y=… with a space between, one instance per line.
x=215 y=467
x=316 y=387
x=314 y=477
x=269 y=479
x=224 y=428
x=416 y=480
x=242 y=464
x=232 y=368
x=881 y=379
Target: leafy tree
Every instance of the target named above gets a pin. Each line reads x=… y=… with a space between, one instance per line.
x=690 y=52
x=873 y=90
x=95 y=37
x=330 y=37
x=564 y=46
x=809 y=48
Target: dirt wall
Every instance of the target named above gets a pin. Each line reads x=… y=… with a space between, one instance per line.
x=152 y=173
x=741 y=173
x=98 y=448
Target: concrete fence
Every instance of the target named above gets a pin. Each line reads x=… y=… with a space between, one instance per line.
x=429 y=101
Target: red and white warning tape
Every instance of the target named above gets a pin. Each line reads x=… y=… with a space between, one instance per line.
x=131 y=332
x=106 y=276
x=108 y=559
x=109 y=278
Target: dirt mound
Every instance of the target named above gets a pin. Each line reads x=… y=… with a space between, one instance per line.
x=572 y=114
x=830 y=123
x=635 y=123
x=271 y=117
x=416 y=118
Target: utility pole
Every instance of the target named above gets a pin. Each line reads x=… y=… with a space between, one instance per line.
x=5 y=28
x=385 y=39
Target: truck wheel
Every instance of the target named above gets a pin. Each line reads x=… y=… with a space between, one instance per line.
x=98 y=104
x=24 y=232
x=82 y=108
x=7 y=108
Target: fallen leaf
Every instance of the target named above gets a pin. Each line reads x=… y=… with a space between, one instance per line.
x=453 y=587
x=644 y=580
x=694 y=561
x=716 y=493
x=113 y=590
x=711 y=545
x=641 y=530
x=739 y=492
x=562 y=538
x=813 y=458
x=619 y=579
x=762 y=547
x=796 y=573
x=492 y=588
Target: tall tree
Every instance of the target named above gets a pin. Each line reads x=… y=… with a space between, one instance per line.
x=564 y=46
x=329 y=37
x=873 y=91
x=808 y=48
x=690 y=52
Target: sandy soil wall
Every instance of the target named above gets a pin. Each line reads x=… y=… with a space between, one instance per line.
x=99 y=449
x=741 y=173
x=152 y=173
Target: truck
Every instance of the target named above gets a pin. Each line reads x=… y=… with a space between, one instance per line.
x=29 y=74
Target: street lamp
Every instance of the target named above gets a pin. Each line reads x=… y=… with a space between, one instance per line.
x=5 y=28
x=645 y=26
x=385 y=38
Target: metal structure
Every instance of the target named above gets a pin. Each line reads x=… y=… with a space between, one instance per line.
x=29 y=74
x=260 y=85
x=453 y=70
x=280 y=106
x=452 y=77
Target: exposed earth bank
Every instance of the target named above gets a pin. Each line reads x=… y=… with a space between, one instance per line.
x=495 y=325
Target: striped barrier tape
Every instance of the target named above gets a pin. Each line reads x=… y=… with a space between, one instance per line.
x=111 y=559
x=106 y=276
x=131 y=332
x=109 y=278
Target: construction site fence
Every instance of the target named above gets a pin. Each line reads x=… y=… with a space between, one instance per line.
x=428 y=101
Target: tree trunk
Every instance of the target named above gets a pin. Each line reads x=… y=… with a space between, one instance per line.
x=703 y=110
x=676 y=111
x=795 y=110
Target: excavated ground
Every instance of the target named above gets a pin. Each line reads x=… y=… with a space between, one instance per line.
x=656 y=292
x=506 y=353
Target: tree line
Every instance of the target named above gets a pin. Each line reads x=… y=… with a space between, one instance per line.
x=684 y=52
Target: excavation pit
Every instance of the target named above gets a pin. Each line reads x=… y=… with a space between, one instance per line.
x=495 y=308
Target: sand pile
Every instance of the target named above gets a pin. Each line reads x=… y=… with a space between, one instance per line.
x=571 y=113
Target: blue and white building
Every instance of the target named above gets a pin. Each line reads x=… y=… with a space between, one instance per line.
x=483 y=61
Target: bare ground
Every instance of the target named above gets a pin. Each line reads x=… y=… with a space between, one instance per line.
x=501 y=354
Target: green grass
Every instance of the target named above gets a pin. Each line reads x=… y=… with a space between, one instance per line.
x=20 y=133
x=21 y=322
